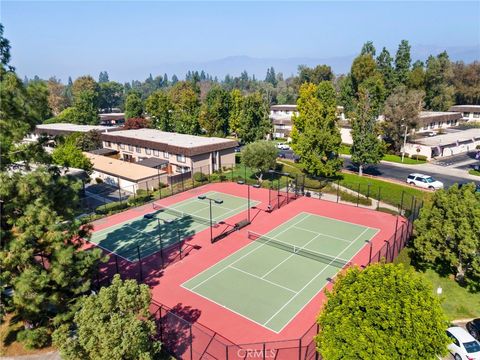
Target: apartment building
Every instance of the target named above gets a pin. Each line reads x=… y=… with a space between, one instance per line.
x=469 y=112
x=184 y=153
x=434 y=120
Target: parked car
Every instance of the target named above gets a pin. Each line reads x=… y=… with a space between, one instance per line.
x=424 y=181
x=283 y=147
x=463 y=346
x=473 y=327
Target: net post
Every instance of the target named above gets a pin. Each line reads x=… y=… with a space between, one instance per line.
x=139 y=263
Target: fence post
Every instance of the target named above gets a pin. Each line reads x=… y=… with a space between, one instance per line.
x=300 y=349
x=378 y=198
x=358 y=194
x=370 y=252
x=116 y=264
x=183 y=184
x=316 y=352
x=338 y=190
x=401 y=203
x=264 y=350
x=139 y=263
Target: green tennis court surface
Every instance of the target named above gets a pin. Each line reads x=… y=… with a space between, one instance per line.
x=272 y=279
x=142 y=236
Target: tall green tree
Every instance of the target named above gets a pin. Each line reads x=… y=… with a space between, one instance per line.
x=367 y=148
x=316 y=137
x=254 y=122
x=416 y=77
x=88 y=141
x=402 y=109
x=314 y=75
x=111 y=95
x=235 y=113
x=447 y=234
x=115 y=324
x=260 y=156
x=133 y=106
x=159 y=107
x=37 y=92
x=185 y=98
x=214 y=113
x=438 y=77
x=466 y=80
x=403 y=61
x=385 y=311
x=368 y=48
x=385 y=67
x=103 y=77
x=86 y=108
x=271 y=76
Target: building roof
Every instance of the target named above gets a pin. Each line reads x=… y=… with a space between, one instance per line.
x=66 y=128
x=285 y=107
x=188 y=145
x=124 y=170
x=465 y=108
x=104 y=152
x=152 y=162
x=429 y=116
x=452 y=137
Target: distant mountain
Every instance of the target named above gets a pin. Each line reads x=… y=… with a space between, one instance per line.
x=234 y=65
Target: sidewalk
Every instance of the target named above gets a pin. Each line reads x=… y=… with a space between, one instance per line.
x=54 y=355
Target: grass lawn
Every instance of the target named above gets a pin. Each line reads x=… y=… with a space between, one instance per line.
x=457 y=302
x=474 y=172
x=406 y=160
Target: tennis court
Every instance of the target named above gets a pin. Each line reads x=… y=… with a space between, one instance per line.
x=272 y=279
x=165 y=226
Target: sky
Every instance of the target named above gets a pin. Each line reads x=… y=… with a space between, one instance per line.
x=127 y=38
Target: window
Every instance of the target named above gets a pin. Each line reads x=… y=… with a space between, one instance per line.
x=138 y=149
x=466 y=114
x=155 y=152
x=181 y=158
x=148 y=151
x=130 y=147
x=108 y=144
x=165 y=154
x=476 y=114
x=122 y=146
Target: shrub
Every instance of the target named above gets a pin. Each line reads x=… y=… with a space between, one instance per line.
x=418 y=157
x=200 y=177
x=353 y=198
x=34 y=338
x=111 y=207
x=98 y=180
x=143 y=197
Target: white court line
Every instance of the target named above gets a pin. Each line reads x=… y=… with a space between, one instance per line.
x=276 y=266
x=316 y=276
x=330 y=236
x=240 y=258
x=258 y=277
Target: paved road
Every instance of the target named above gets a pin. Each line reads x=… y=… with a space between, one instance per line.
x=399 y=173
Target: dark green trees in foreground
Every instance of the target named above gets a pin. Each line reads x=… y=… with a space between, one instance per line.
x=382 y=312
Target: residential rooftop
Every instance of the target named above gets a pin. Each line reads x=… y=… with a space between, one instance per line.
x=452 y=137
x=465 y=108
x=66 y=128
x=125 y=170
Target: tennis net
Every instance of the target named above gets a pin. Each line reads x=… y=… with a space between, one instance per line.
x=182 y=214
x=314 y=255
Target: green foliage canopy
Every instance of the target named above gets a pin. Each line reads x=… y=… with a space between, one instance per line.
x=260 y=155
x=382 y=312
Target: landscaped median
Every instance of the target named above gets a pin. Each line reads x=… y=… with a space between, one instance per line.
x=407 y=159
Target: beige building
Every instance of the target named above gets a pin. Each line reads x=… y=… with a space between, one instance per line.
x=130 y=178
x=469 y=112
x=184 y=153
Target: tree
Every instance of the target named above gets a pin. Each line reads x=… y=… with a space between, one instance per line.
x=260 y=156
x=136 y=123
x=215 y=112
x=271 y=77
x=103 y=77
x=111 y=94
x=68 y=154
x=385 y=67
x=438 y=77
x=385 y=311
x=367 y=147
x=401 y=112
x=86 y=108
x=57 y=99
x=159 y=107
x=314 y=75
x=416 y=77
x=368 y=48
x=254 y=122
x=447 y=234
x=88 y=141
x=402 y=62
x=186 y=107
x=133 y=106
x=235 y=113
x=346 y=93
x=85 y=83
x=37 y=92
x=315 y=135
x=363 y=67
x=466 y=80
x=115 y=324
x=5 y=52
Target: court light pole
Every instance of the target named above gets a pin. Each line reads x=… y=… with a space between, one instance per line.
x=210 y=200
x=240 y=182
